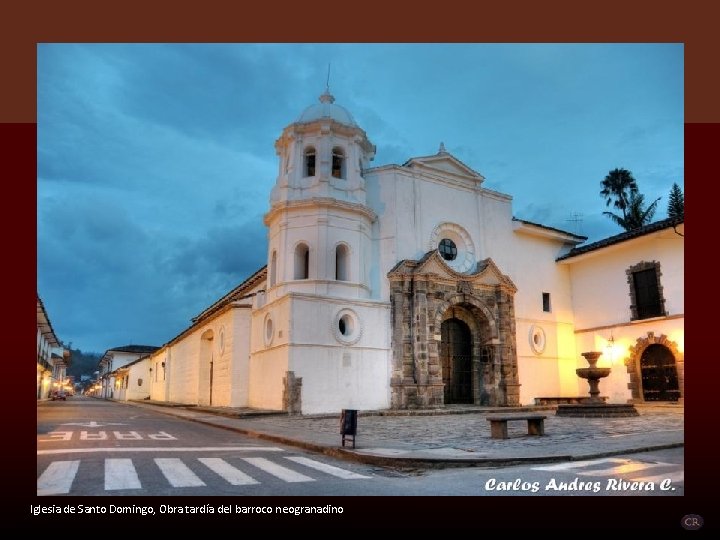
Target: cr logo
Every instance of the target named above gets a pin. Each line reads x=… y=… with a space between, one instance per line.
x=691 y=522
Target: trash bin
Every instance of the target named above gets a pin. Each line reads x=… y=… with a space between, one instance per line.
x=348 y=425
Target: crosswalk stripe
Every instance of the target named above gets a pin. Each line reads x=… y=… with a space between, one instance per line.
x=620 y=469
x=234 y=476
x=121 y=474
x=675 y=477
x=278 y=471
x=177 y=473
x=57 y=478
x=160 y=449
x=329 y=469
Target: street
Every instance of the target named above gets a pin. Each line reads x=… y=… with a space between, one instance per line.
x=87 y=446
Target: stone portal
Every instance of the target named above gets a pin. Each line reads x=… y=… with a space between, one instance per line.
x=453 y=335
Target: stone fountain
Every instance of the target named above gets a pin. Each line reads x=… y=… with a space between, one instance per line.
x=595 y=406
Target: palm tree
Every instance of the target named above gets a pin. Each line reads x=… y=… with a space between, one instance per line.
x=635 y=215
x=617 y=188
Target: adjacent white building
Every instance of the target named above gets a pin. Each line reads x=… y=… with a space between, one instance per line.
x=52 y=358
x=414 y=286
x=133 y=380
x=113 y=381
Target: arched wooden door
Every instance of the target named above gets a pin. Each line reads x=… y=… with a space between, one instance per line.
x=456 y=361
x=659 y=374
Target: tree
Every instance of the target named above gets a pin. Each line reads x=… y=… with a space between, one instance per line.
x=617 y=188
x=636 y=215
x=676 y=202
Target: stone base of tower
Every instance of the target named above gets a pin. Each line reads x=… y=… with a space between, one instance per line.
x=408 y=395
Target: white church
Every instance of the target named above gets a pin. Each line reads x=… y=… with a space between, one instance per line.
x=413 y=286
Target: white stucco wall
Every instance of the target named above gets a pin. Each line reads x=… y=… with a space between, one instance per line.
x=339 y=374
x=159 y=376
x=530 y=263
x=237 y=348
x=188 y=368
x=139 y=372
x=269 y=353
x=600 y=291
x=410 y=206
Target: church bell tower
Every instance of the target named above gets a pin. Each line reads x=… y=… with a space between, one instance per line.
x=319 y=223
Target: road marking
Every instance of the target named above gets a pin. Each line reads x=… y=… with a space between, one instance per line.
x=99 y=436
x=177 y=473
x=57 y=478
x=58 y=436
x=621 y=469
x=329 y=469
x=93 y=424
x=121 y=474
x=674 y=477
x=221 y=467
x=579 y=464
x=161 y=449
x=278 y=471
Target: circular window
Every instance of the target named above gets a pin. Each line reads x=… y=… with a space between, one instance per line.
x=537 y=339
x=448 y=249
x=268 y=330
x=346 y=327
x=454 y=245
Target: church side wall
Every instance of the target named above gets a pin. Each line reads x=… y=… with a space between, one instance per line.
x=237 y=347
x=183 y=370
x=545 y=339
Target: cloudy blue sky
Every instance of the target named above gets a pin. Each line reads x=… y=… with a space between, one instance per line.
x=155 y=161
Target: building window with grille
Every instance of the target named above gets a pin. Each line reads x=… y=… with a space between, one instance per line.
x=309 y=161
x=646 y=294
x=448 y=249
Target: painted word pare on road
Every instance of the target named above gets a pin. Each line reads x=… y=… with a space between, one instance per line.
x=104 y=435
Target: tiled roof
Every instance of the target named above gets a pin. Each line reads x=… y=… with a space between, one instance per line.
x=44 y=325
x=579 y=237
x=234 y=294
x=622 y=237
x=144 y=349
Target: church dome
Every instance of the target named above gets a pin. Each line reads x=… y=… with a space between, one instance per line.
x=327 y=109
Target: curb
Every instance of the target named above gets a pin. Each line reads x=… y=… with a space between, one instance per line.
x=418 y=462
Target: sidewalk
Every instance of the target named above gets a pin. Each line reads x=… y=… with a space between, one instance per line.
x=454 y=436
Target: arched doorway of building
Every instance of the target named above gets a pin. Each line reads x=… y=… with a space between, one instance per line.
x=205 y=389
x=659 y=374
x=456 y=361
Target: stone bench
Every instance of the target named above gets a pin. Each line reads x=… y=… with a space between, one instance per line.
x=499 y=430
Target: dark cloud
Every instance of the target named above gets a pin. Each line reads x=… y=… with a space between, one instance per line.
x=155 y=161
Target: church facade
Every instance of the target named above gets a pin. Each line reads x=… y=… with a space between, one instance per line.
x=405 y=286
